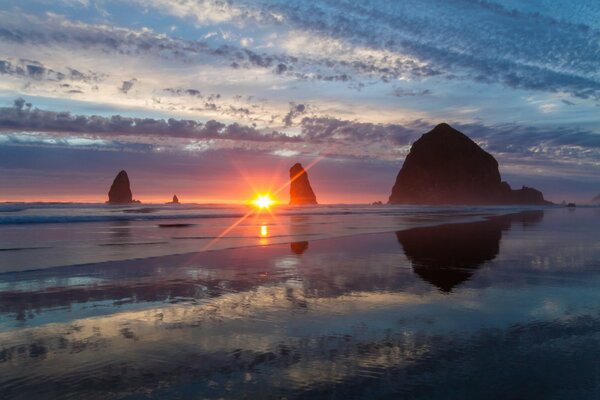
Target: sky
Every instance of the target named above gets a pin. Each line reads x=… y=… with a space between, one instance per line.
x=214 y=100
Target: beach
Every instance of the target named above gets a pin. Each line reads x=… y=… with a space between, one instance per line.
x=331 y=302
x=42 y=235
x=299 y=200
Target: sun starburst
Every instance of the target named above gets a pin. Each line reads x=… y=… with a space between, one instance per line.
x=263 y=201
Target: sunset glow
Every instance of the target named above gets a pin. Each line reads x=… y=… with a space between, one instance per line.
x=263 y=202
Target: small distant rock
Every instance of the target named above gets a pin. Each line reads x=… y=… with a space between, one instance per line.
x=596 y=200
x=301 y=192
x=571 y=205
x=120 y=191
x=376 y=203
x=175 y=200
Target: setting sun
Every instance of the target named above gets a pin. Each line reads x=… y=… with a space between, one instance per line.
x=263 y=201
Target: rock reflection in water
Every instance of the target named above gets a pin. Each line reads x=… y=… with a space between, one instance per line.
x=448 y=255
x=299 y=247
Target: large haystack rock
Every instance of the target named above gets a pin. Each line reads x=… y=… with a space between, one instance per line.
x=446 y=167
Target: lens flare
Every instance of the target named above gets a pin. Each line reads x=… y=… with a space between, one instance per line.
x=263 y=201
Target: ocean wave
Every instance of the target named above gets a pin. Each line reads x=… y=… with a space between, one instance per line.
x=47 y=213
x=50 y=219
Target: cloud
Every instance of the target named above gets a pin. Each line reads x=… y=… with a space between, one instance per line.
x=324 y=136
x=399 y=92
x=295 y=110
x=301 y=64
x=318 y=136
x=483 y=42
x=205 y=12
x=21 y=117
x=355 y=42
x=185 y=92
x=393 y=65
x=325 y=129
x=127 y=85
x=38 y=71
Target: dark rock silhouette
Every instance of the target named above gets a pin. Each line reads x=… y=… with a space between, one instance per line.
x=448 y=255
x=120 y=191
x=446 y=167
x=175 y=200
x=300 y=191
x=596 y=200
x=299 y=247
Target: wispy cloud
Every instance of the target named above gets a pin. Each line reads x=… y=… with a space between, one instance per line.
x=481 y=41
x=324 y=136
x=23 y=117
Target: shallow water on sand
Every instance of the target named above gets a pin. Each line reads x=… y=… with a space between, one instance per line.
x=39 y=235
x=505 y=308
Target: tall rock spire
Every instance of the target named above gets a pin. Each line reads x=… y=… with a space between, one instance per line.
x=120 y=192
x=300 y=191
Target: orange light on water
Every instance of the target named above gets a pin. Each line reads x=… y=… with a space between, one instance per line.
x=264 y=232
x=263 y=201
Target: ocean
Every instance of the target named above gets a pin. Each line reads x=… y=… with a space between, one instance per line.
x=325 y=302
x=41 y=235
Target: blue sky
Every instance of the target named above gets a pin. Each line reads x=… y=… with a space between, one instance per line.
x=214 y=86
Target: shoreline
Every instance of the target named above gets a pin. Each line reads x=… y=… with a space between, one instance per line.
x=135 y=285
x=157 y=212
x=278 y=240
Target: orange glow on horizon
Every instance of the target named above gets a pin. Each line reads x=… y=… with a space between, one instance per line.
x=237 y=187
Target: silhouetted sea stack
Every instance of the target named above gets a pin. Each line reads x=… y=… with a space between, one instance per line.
x=446 y=167
x=596 y=200
x=175 y=200
x=120 y=192
x=300 y=191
